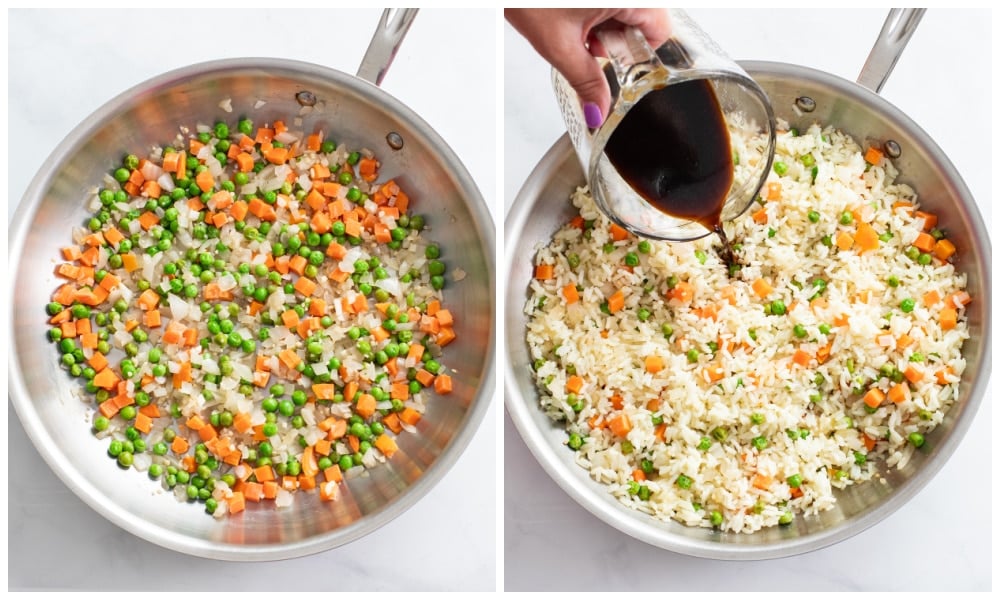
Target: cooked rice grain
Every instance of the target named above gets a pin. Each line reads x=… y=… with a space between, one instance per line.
x=729 y=372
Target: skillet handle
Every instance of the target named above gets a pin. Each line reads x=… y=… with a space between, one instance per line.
x=392 y=27
x=899 y=26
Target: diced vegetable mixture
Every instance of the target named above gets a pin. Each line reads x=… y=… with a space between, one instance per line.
x=252 y=313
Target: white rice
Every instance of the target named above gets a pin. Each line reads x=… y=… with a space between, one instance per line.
x=761 y=393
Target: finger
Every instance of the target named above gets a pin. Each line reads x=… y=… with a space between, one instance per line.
x=654 y=24
x=584 y=75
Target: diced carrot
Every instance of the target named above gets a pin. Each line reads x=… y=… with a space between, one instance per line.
x=774 y=190
x=179 y=445
x=289 y=358
x=442 y=384
x=924 y=242
x=391 y=422
x=617 y=232
x=682 y=292
x=866 y=237
x=930 y=220
x=143 y=423
x=386 y=444
x=314 y=142
x=899 y=392
x=305 y=286
x=253 y=491
x=106 y=379
x=148 y=300
x=129 y=262
x=307 y=482
x=873 y=156
x=616 y=302
x=236 y=503
x=72 y=253
x=425 y=377
x=544 y=272
x=913 y=374
x=760 y=216
x=944 y=249
x=654 y=364
x=409 y=416
x=823 y=352
x=943 y=374
x=574 y=384
x=415 y=353
x=761 y=481
x=68 y=329
x=333 y=474
x=959 y=298
x=309 y=466
x=277 y=156
x=844 y=240
x=264 y=473
x=365 y=406
x=874 y=397
x=762 y=288
x=801 y=358
x=241 y=422
x=151 y=319
x=713 y=373
x=948 y=318
x=620 y=424
x=204 y=180
x=323 y=391
x=245 y=162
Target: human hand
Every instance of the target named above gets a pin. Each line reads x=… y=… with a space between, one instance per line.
x=564 y=38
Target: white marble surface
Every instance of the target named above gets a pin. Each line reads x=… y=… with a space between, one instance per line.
x=941 y=540
x=65 y=64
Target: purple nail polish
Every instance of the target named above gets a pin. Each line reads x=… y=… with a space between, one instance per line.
x=592 y=114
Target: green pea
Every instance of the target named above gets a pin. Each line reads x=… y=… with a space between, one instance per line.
x=780 y=168
x=907 y=305
x=800 y=331
x=778 y=307
x=916 y=439
x=684 y=482
x=705 y=443
x=715 y=518
x=759 y=442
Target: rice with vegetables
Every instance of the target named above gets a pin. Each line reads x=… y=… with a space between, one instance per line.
x=252 y=313
x=740 y=397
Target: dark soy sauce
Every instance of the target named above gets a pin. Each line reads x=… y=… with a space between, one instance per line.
x=673 y=148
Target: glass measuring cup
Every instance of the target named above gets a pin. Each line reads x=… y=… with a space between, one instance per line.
x=691 y=69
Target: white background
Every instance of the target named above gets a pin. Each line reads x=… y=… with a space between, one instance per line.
x=63 y=65
x=941 y=539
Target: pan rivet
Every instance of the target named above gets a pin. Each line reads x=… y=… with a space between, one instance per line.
x=892 y=149
x=394 y=140
x=306 y=98
x=805 y=103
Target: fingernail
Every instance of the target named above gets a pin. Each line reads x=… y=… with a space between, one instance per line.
x=592 y=114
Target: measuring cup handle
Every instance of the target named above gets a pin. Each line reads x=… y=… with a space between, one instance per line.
x=896 y=32
x=389 y=34
x=632 y=59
